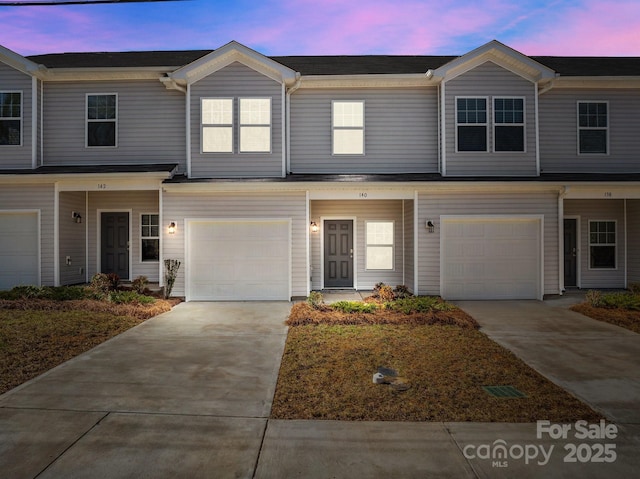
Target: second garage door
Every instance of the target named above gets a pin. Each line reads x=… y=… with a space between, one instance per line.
x=238 y=260
x=491 y=258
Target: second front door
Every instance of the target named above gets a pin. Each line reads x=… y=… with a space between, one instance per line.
x=338 y=254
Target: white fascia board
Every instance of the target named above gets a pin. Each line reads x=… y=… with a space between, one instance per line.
x=91 y=181
x=500 y=54
x=230 y=53
x=20 y=63
x=103 y=74
x=597 y=82
x=366 y=81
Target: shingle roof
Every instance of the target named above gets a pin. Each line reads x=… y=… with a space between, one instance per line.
x=334 y=65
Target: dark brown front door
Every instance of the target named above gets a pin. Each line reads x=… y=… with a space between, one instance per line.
x=115 y=244
x=570 y=253
x=338 y=254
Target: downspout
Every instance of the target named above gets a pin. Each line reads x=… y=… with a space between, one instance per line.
x=415 y=242
x=537 y=125
x=626 y=259
x=443 y=146
x=56 y=234
x=41 y=123
x=290 y=91
x=283 y=126
x=34 y=122
x=561 y=195
x=187 y=128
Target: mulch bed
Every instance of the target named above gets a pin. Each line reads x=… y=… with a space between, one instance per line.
x=620 y=317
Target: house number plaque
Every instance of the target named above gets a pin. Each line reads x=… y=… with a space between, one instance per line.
x=102 y=186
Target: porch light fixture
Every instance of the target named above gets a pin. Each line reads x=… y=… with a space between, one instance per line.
x=314 y=227
x=172 y=227
x=76 y=217
x=430 y=226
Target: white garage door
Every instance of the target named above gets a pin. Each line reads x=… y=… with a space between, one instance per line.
x=18 y=250
x=491 y=258
x=238 y=260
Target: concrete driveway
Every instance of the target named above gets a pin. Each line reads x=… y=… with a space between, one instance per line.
x=181 y=395
x=597 y=362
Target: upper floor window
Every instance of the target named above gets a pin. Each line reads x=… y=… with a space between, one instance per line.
x=150 y=237
x=602 y=244
x=10 y=118
x=102 y=117
x=379 y=251
x=471 y=124
x=508 y=124
x=593 y=125
x=217 y=125
x=255 y=125
x=348 y=127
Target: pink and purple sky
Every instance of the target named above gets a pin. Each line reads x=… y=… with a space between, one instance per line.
x=330 y=27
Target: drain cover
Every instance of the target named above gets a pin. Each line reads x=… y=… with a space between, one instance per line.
x=504 y=392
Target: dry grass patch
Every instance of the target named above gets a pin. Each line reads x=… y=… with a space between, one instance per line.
x=620 y=317
x=37 y=335
x=327 y=369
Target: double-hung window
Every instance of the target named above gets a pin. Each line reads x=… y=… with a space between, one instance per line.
x=348 y=127
x=602 y=244
x=380 y=245
x=255 y=125
x=508 y=124
x=593 y=126
x=471 y=124
x=102 y=118
x=150 y=237
x=217 y=125
x=10 y=118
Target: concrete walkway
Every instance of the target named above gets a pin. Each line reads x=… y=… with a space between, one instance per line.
x=188 y=394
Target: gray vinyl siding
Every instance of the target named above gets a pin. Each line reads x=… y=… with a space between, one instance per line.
x=35 y=197
x=362 y=211
x=409 y=245
x=236 y=81
x=72 y=237
x=559 y=132
x=18 y=156
x=633 y=246
x=150 y=124
x=401 y=131
x=433 y=205
x=607 y=210
x=138 y=202
x=180 y=206
x=489 y=80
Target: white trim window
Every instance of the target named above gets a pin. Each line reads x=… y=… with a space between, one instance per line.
x=149 y=237
x=602 y=244
x=379 y=245
x=347 y=127
x=102 y=120
x=10 y=118
x=217 y=125
x=593 y=127
x=508 y=124
x=255 y=125
x=471 y=124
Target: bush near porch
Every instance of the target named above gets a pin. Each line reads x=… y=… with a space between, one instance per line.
x=332 y=352
x=621 y=308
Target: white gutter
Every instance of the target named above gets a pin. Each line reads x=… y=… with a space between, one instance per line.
x=34 y=122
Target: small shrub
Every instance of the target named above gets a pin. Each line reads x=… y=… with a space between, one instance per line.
x=65 y=293
x=140 y=284
x=353 y=307
x=171 y=272
x=315 y=299
x=385 y=293
x=100 y=285
x=25 y=292
x=114 y=281
x=620 y=300
x=130 y=297
x=401 y=292
x=594 y=298
x=634 y=288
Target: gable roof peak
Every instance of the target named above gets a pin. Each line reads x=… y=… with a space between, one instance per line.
x=227 y=54
x=498 y=53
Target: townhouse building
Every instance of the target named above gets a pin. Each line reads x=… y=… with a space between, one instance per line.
x=490 y=175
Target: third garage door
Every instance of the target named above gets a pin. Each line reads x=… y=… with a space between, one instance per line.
x=491 y=258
